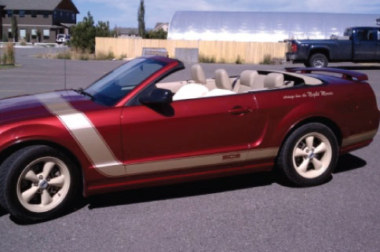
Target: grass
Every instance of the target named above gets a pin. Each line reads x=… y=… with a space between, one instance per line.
x=6 y=66
x=79 y=55
x=8 y=57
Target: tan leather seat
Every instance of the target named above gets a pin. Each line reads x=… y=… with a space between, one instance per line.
x=222 y=80
x=274 y=80
x=223 y=84
x=198 y=75
x=247 y=81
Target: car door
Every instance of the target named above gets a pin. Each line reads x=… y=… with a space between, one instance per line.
x=365 y=45
x=188 y=133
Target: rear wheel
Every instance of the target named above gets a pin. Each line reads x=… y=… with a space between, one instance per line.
x=309 y=155
x=318 y=60
x=37 y=183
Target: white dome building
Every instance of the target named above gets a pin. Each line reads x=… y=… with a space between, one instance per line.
x=262 y=26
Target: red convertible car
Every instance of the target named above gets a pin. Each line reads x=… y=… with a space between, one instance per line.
x=132 y=129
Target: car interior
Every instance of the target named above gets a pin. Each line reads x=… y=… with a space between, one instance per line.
x=223 y=84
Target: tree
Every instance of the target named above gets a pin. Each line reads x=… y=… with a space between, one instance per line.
x=141 y=19
x=14 y=28
x=83 y=34
x=102 y=29
x=160 y=34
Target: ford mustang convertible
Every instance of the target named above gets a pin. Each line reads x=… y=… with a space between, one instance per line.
x=133 y=129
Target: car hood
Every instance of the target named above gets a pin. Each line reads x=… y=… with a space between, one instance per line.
x=33 y=106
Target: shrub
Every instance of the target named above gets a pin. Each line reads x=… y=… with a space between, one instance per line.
x=206 y=59
x=239 y=60
x=22 y=42
x=267 y=60
x=123 y=56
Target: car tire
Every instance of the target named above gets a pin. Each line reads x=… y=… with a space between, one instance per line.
x=309 y=155
x=318 y=60
x=38 y=183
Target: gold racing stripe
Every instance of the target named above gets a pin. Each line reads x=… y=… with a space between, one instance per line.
x=196 y=161
x=85 y=134
x=359 y=138
x=101 y=156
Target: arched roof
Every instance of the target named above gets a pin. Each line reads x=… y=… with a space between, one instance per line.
x=262 y=26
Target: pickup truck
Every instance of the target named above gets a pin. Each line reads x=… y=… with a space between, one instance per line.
x=359 y=44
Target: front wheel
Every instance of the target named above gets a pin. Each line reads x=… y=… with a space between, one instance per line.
x=37 y=183
x=309 y=155
x=318 y=60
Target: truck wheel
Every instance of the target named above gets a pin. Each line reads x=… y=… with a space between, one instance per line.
x=318 y=60
x=309 y=155
x=38 y=183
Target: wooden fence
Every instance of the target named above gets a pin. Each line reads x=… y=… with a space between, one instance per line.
x=221 y=51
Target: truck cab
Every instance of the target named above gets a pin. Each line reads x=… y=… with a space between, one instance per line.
x=366 y=43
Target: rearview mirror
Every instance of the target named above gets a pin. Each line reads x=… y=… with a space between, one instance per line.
x=158 y=96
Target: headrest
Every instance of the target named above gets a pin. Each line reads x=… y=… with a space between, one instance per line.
x=222 y=80
x=247 y=78
x=197 y=74
x=274 y=80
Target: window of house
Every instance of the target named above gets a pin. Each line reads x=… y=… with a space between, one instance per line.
x=73 y=16
x=46 y=14
x=33 y=13
x=378 y=34
x=22 y=13
x=22 y=33
x=33 y=33
x=10 y=13
x=46 y=34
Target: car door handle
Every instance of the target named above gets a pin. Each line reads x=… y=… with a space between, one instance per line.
x=240 y=110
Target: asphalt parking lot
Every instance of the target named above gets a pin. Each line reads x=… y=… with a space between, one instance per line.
x=254 y=212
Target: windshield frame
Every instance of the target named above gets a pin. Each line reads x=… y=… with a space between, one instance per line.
x=114 y=86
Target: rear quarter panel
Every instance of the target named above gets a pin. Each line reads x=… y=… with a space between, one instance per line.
x=351 y=106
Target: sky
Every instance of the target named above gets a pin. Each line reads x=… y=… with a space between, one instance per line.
x=123 y=13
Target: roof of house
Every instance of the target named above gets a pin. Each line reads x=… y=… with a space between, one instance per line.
x=127 y=30
x=159 y=26
x=33 y=5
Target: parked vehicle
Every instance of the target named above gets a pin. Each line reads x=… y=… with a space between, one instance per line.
x=359 y=44
x=62 y=38
x=132 y=129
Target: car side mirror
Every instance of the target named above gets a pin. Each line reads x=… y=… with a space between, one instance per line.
x=157 y=96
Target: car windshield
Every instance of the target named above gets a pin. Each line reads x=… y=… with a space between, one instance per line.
x=112 y=87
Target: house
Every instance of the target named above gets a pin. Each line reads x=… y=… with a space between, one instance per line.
x=38 y=21
x=127 y=32
x=161 y=26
